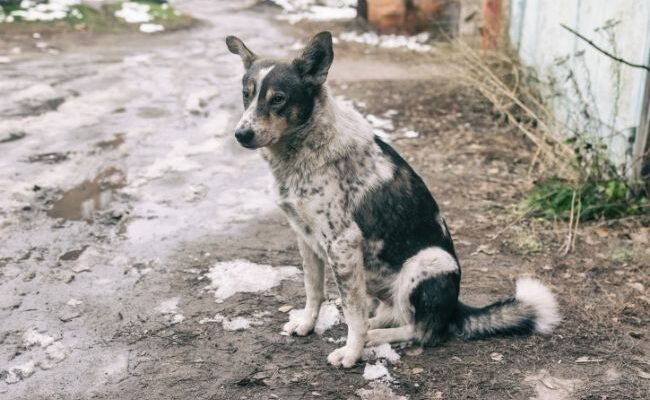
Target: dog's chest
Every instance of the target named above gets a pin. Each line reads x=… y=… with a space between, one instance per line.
x=306 y=207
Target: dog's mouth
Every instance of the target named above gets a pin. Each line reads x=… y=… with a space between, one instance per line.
x=254 y=146
x=250 y=146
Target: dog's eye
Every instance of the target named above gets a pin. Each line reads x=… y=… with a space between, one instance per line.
x=277 y=99
x=246 y=94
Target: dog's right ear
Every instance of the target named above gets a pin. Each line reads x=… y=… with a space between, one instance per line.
x=236 y=46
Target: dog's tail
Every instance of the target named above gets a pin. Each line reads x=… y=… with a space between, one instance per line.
x=532 y=309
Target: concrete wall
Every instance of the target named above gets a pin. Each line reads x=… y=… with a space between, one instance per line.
x=582 y=80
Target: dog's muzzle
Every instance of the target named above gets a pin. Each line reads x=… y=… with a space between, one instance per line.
x=245 y=137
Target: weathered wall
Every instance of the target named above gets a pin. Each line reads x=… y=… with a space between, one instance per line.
x=584 y=81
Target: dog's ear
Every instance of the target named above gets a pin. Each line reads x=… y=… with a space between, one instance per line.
x=236 y=46
x=316 y=59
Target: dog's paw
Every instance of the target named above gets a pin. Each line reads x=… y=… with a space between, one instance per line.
x=344 y=356
x=299 y=327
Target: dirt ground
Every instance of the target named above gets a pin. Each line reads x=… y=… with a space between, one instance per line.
x=123 y=194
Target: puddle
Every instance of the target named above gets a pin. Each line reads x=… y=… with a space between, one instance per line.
x=80 y=202
x=112 y=144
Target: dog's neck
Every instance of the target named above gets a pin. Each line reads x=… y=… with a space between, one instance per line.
x=331 y=133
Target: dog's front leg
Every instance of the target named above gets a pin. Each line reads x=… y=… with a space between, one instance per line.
x=314 y=273
x=346 y=259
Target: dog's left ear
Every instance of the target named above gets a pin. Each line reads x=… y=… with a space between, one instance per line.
x=316 y=59
x=236 y=46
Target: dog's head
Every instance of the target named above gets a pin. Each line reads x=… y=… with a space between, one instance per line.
x=279 y=97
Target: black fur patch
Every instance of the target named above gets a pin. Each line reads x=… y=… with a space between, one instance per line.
x=283 y=79
x=401 y=213
x=435 y=301
x=480 y=322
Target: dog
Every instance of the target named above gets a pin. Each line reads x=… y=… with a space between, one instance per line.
x=358 y=208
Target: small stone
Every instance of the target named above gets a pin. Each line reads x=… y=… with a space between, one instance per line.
x=286 y=308
x=417 y=370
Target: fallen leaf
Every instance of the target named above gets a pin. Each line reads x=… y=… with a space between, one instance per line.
x=485 y=249
x=587 y=360
x=285 y=308
x=642 y=374
x=417 y=370
x=496 y=356
x=415 y=351
x=602 y=231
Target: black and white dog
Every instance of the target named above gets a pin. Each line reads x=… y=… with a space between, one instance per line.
x=360 y=209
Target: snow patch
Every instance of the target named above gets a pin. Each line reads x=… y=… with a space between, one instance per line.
x=384 y=351
x=20 y=372
x=74 y=302
x=49 y=11
x=237 y=323
x=169 y=309
x=242 y=276
x=151 y=28
x=57 y=352
x=134 y=13
x=376 y=371
x=32 y=337
x=414 y=43
x=316 y=10
x=328 y=316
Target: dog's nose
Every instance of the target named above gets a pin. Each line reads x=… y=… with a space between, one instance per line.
x=244 y=135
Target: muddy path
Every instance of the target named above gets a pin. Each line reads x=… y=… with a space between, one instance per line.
x=143 y=257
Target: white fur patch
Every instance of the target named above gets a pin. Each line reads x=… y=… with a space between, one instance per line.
x=429 y=262
x=534 y=293
x=249 y=114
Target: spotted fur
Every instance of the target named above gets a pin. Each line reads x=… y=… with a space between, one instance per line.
x=358 y=208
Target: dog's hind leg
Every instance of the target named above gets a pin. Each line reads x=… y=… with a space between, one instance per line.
x=391 y=335
x=314 y=274
x=383 y=318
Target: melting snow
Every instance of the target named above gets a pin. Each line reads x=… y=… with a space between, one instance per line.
x=323 y=10
x=57 y=352
x=151 y=28
x=37 y=11
x=382 y=351
x=74 y=302
x=169 y=308
x=134 y=13
x=237 y=323
x=20 y=372
x=328 y=316
x=230 y=277
x=376 y=371
x=32 y=338
x=415 y=43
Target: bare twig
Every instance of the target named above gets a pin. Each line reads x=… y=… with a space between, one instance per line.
x=605 y=52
